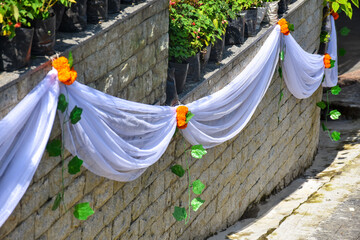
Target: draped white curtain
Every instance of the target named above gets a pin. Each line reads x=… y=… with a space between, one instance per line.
x=116 y=138
x=24 y=133
x=119 y=139
x=331 y=74
x=222 y=115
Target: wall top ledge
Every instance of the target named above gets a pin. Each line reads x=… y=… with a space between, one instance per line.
x=66 y=42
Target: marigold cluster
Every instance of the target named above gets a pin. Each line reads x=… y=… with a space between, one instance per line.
x=65 y=74
x=327 y=61
x=335 y=15
x=181 y=113
x=284 y=26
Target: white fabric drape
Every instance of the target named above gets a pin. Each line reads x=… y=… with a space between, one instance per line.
x=115 y=138
x=24 y=133
x=302 y=71
x=119 y=139
x=222 y=115
x=331 y=74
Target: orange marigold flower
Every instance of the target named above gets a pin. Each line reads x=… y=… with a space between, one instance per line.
x=282 y=21
x=335 y=15
x=327 y=61
x=61 y=63
x=181 y=112
x=284 y=26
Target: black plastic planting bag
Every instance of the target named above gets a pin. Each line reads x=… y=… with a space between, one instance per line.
x=44 y=36
x=114 y=6
x=74 y=18
x=97 y=11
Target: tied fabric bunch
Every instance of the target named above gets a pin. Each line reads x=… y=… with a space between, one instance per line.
x=327 y=61
x=66 y=75
x=284 y=26
x=181 y=113
x=335 y=15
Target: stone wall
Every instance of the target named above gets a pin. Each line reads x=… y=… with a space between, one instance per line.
x=263 y=158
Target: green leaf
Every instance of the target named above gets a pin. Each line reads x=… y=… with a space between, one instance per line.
x=178 y=170
x=56 y=202
x=324 y=127
x=196 y=203
x=335 y=114
x=198 y=151
x=75 y=115
x=291 y=27
x=15 y=11
x=281 y=95
x=179 y=213
x=280 y=72
x=332 y=63
x=74 y=165
x=282 y=55
x=344 y=31
x=83 y=211
x=335 y=90
x=198 y=187
x=189 y=116
x=342 y=52
x=62 y=103
x=335 y=136
x=335 y=6
x=356 y=3
x=54 y=148
x=71 y=59
x=321 y=105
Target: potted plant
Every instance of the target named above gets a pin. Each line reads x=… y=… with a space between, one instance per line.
x=218 y=12
x=283 y=6
x=271 y=15
x=15 y=37
x=97 y=11
x=235 y=32
x=43 y=20
x=114 y=6
x=184 y=43
x=261 y=12
x=75 y=17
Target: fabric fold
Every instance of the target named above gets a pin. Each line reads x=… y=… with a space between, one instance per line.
x=222 y=115
x=331 y=74
x=116 y=138
x=24 y=133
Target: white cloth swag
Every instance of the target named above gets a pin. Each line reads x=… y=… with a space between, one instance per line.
x=119 y=139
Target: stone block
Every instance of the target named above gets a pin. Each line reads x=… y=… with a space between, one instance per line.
x=11 y=222
x=105 y=233
x=74 y=192
x=93 y=225
x=62 y=226
x=26 y=228
x=102 y=193
x=92 y=181
x=127 y=72
x=44 y=218
x=121 y=223
x=9 y=97
x=146 y=59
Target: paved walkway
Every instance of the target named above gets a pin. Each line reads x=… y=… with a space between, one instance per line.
x=322 y=204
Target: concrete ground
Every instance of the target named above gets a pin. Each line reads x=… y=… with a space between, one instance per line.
x=324 y=203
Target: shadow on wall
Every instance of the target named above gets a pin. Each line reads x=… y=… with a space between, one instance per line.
x=350 y=43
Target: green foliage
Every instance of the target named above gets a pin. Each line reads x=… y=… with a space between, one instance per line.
x=12 y=16
x=179 y=213
x=189 y=116
x=321 y=105
x=198 y=187
x=83 y=211
x=40 y=9
x=335 y=90
x=282 y=55
x=74 y=165
x=198 y=151
x=342 y=52
x=332 y=63
x=196 y=203
x=178 y=170
x=291 y=27
x=75 y=115
x=335 y=136
x=71 y=59
x=324 y=128
x=324 y=37
x=344 y=31
x=62 y=103
x=335 y=114
x=344 y=5
x=54 y=148
x=56 y=202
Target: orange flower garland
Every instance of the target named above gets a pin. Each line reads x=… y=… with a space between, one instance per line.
x=327 y=61
x=66 y=75
x=181 y=113
x=335 y=15
x=284 y=26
